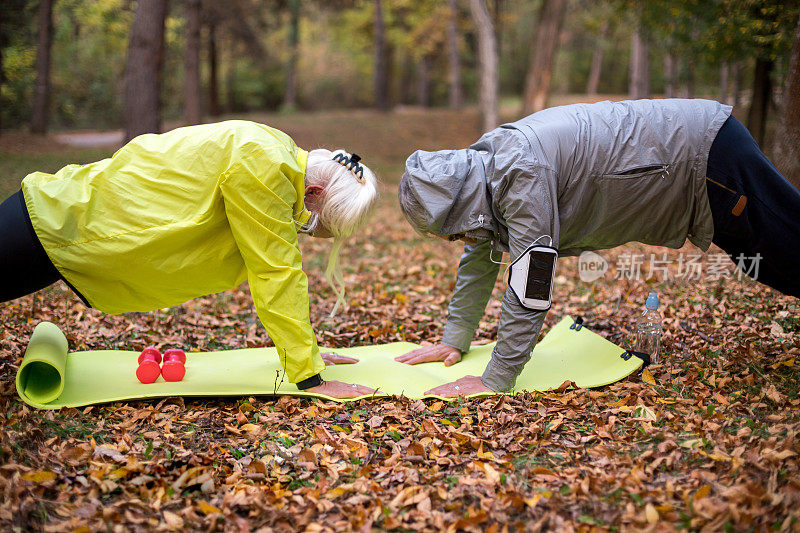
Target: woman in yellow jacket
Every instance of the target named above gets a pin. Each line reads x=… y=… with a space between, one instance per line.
x=191 y=212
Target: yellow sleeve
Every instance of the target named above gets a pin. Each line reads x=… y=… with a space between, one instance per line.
x=259 y=202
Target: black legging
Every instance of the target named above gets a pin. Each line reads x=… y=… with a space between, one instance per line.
x=24 y=265
x=763 y=228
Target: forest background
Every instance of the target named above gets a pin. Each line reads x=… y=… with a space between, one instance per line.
x=119 y=63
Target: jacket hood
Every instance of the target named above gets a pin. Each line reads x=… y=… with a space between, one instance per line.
x=452 y=188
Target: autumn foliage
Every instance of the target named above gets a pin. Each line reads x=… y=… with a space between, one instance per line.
x=706 y=441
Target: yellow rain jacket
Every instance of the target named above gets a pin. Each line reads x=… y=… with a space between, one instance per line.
x=179 y=215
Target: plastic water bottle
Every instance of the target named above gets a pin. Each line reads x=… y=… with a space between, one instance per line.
x=648 y=330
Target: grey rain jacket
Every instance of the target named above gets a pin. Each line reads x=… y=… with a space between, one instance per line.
x=591 y=176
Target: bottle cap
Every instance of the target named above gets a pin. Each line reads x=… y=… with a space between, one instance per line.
x=652 y=301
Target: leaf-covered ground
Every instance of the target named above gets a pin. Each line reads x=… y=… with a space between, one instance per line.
x=707 y=440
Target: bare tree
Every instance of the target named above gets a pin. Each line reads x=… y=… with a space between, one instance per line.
x=424 y=81
x=670 y=75
x=453 y=56
x=736 y=90
x=192 y=111
x=213 y=71
x=487 y=54
x=691 y=77
x=241 y=23
x=786 y=148
x=41 y=91
x=143 y=69
x=381 y=74
x=290 y=95
x=597 y=61
x=498 y=12
x=762 y=92
x=12 y=15
x=406 y=78
x=543 y=51
x=229 y=60
x=639 y=82
x=724 y=77
x=2 y=77
x=691 y=66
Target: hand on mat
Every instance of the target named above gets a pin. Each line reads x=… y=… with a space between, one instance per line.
x=338 y=389
x=332 y=358
x=461 y=387
x=426 y=354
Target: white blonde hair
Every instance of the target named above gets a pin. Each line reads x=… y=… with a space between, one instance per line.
x=344 y=207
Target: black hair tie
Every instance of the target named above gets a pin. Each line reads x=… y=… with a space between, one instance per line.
x=351 y=163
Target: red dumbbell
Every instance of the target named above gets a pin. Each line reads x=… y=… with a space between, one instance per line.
x=149 y=370
x=173 y=368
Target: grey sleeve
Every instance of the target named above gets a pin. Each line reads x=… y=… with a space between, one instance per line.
x=529 y=214
x=474 y=283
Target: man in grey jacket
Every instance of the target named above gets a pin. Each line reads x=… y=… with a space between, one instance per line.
x=589 y=177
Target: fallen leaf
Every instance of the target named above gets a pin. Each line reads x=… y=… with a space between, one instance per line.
x=173 y=520
x=40 y=476
x=207 y=508
x=111 y=453
x=702 y=492
x=773 y=394
x=651 y=514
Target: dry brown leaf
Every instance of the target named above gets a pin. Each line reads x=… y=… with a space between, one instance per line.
x=207 y=508
x=173 y=520
x=702 y=492
x=39 y=476
x=651 y=514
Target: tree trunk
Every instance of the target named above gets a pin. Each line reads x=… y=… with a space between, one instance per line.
x=192 y=112
x=565 y=63
x=762 y=89
x=724 y=71
x=406 y=79
x=540 y=68
x=786 y=148
x=639 y=86
x=736 y=90
x=143 y=70
x=670 y=75
x=230 y=78
x=290 y=96
x=690 y=78
x=41 y=92
x=487 y=54
x=498 y=13
x=381 y=75
x=213 y=72
x=597 y=62
x=424 y=81
x=453 y=56
x=2 y=77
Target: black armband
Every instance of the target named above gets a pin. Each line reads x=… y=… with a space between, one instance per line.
x=307 y=383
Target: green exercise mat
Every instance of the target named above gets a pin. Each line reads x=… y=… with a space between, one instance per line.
x=50 y=377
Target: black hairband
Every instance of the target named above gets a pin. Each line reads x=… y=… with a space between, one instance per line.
x=350 y=163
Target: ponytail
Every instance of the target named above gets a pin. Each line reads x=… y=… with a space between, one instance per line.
x=350 y=193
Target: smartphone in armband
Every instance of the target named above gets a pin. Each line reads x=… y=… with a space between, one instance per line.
x=531 y=277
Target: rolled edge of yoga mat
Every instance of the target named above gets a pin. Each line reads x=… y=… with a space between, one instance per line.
x=40 y=378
